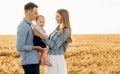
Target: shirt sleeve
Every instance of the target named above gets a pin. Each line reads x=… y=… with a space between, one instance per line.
x=22 y=33
x=58 y=40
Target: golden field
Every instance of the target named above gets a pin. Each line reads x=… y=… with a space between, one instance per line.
x=88 y=54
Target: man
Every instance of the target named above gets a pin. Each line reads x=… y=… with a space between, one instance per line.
x=28 y=52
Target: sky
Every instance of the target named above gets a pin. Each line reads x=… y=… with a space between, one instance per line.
x=86 y=16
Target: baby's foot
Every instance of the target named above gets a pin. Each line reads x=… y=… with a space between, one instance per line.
x=48 y=64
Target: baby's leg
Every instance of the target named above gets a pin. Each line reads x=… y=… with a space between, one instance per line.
x=46 y=58
x=42 y=58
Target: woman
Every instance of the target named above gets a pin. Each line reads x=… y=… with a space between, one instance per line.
x=58 y=42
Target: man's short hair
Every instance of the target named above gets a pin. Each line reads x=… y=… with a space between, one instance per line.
x=30 y=6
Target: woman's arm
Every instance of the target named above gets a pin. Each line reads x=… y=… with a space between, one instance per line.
x=57 y=40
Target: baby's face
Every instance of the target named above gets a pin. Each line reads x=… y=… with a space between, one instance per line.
x=40 y=21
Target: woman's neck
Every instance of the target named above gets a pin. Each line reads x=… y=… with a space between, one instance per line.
x=61 y=26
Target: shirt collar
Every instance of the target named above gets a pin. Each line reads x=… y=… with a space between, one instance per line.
x=26 y=21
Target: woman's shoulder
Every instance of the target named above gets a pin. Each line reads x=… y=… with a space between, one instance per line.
x=66 y=30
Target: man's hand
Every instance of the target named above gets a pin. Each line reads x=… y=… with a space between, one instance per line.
x=40 y=49
x=47 y=47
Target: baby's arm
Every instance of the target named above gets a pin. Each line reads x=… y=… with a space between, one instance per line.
x=39 y=29
x=41 y=32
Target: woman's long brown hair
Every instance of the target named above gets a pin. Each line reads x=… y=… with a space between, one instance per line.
x=65 y=21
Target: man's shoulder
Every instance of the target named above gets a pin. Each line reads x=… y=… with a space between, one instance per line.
x=23 y=24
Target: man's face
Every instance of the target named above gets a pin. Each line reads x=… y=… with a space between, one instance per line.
x=33 y=14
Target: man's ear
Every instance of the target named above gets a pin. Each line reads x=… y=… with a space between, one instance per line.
x=28 y=12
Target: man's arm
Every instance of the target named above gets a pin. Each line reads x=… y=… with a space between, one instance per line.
x=22 y=33
x=40 y=49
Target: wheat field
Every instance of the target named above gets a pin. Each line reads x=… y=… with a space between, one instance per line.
x=88 y=54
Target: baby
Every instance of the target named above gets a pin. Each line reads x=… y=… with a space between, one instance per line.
x=44 y=57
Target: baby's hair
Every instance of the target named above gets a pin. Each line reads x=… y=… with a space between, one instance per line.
x=40 y=16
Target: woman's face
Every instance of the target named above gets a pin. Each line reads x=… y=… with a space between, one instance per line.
x=58 y=18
